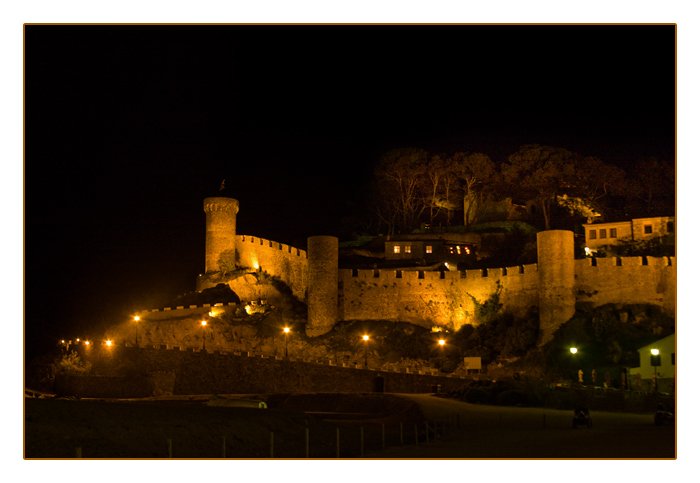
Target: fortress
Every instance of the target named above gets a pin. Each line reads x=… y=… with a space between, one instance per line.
x=433 y=298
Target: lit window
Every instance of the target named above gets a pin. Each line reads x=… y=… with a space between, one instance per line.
x=407 y=249
x=647 y=229
x=466 y=250
x=603 y=233
x=428 y=249
x=397 y=249
x=592 y=234
x=613 y=232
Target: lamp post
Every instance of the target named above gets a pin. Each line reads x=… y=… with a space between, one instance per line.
x=204 y=340
x=286 y=333
x=136 y=319
x=441 y=343
x=366 y=339
x=655 y=362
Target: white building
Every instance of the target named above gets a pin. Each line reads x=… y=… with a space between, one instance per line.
x=601 y=236
x=664 y=362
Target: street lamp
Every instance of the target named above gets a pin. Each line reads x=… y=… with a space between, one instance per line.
x=136 y=319
x=204 y=340
x=366 y=339
x=573 y=350
x=441 y=343
x=655 y=361
x=286 y=332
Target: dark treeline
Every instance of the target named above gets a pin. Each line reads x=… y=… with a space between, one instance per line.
x=549 y=187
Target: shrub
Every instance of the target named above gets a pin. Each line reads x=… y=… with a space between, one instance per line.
x=72 y=364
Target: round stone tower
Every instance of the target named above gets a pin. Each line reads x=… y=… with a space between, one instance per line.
x=221 y=231
x=555 y=267
x=322 y=292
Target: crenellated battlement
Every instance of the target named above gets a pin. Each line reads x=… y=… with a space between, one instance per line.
x=263 y=242
x=424 y=297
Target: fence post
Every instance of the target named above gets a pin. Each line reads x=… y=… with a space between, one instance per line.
x=362 y=441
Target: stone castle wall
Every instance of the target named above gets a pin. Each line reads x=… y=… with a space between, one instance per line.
x=627 y=280
x=433 y=298
x=554 y=285
x=277 y=259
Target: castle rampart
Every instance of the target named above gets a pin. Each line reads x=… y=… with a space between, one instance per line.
x=284 y=261
x=627 y=280
x=442 y=298
x=431 y=298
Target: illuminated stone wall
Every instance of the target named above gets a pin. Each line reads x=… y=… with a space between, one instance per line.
x=322 y=295
x=433 y=298
x=627 y=280
x=428 y=299
x=277 y=259
x=557 y=298
x=220 y=231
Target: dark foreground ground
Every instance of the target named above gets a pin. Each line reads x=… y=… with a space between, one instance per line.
x=352 y=425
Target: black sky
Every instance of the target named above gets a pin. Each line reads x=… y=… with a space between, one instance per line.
x=129 y=128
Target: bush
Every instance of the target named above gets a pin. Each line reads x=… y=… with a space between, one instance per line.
x=72 y=364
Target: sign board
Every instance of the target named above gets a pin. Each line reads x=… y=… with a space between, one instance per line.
x=472 y=363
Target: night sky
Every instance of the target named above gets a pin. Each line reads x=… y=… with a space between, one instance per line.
x=129 y=128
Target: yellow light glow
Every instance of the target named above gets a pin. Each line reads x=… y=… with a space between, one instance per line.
x=63 y=342
x=365 y=337
x=204 y=322
x=441 y=342
x=254 y=262
x=87 y=342
x=77 y=340
x=286 y=330
x=573 y=350
x=109 y=343
x=655 y=352
x=137 y=318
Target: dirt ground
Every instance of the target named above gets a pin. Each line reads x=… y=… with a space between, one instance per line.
x=510 y=432
x=351 y=425
x=186 y=427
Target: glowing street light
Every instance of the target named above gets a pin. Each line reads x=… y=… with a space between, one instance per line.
x=109 y=343
x=441 y=343
x=204 y=340
x=136 y=319
x=573 y=350
x=286 y=333
x=655 y=361
x=366 y=339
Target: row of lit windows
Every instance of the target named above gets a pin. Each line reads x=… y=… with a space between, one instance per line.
x=592 y=234
x=429 y=249
x=407 y=249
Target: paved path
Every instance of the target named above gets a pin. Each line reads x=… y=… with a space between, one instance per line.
x=507 y=432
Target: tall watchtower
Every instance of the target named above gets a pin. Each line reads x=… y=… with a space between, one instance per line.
x=221 y=231
x=555 y=266
x=322 y=289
